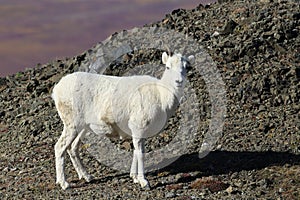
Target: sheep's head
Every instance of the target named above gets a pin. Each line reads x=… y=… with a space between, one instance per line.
x=176 y=67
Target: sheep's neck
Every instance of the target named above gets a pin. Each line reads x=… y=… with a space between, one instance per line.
x=170 y=93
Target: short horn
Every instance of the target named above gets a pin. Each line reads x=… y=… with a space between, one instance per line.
x=170 y=53
x=184 y=48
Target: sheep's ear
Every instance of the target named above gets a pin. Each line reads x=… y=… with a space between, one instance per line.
x=164 y=57
x=191 y=59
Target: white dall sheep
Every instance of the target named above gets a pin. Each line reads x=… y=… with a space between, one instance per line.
x=135 y=105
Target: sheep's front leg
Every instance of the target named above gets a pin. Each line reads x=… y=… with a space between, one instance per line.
x=133 y=169
x=137 y=166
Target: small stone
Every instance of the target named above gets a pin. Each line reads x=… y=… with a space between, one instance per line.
x=174 y=187
x=126 y=145
x=229 y=27
x=229 y=189
x=215 y=34
x=170 y=195
x=178 y=176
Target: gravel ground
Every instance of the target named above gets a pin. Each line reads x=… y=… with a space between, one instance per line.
x=255 y=45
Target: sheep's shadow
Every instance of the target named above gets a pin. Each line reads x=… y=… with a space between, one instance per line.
x=215 y=163
x=76 y=183
x=223 y=162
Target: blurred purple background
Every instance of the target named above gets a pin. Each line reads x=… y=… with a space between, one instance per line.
x=34 y=32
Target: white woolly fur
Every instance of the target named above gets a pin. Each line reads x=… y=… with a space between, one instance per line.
x=136 y=106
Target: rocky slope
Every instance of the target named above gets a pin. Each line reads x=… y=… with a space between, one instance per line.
x=255 y=45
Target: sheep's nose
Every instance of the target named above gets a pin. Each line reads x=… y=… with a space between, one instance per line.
x=179 y=81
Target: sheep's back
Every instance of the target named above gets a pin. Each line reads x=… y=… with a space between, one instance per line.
x=88 y=94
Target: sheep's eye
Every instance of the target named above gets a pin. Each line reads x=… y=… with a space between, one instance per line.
x=168 y=68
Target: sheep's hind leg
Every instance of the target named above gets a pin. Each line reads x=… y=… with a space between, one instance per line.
x=65 y=140
x=76 y=161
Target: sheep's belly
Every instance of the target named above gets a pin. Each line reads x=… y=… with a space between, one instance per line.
x=145 y=125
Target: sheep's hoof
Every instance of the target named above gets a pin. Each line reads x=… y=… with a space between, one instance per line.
x=144 y=183
x=89 y=178
x=64 y=185
x=147 y=187
x=134 y=178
